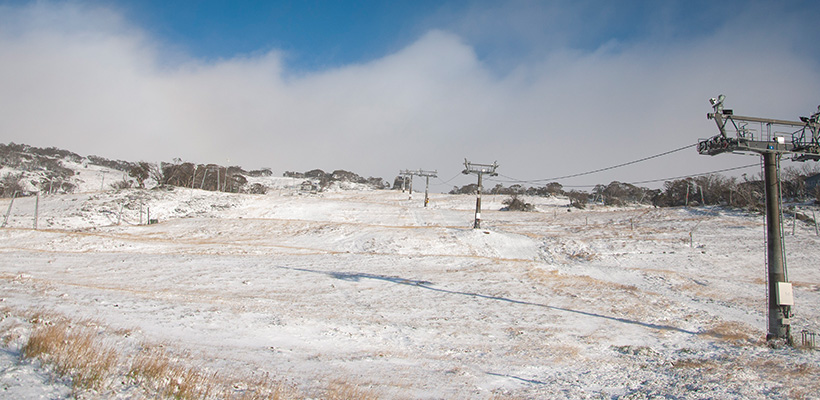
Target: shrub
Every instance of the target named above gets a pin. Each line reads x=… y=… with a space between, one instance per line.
x=578 y=199
x=75 y=352
x=12 y=183
x=466 y=189
x=140 y=172
x=258 y=188
x=123 y=184
x=515 y=204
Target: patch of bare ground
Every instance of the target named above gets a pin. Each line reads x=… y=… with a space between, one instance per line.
x=734 y=332
x=632 y=302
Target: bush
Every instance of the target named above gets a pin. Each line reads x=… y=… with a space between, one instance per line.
x=258 y=188
x=578 y=199
x=123 y=184
x=466 y=189
x=515 y=204
x=141 y=171
x=12 y=183
x=258 y=173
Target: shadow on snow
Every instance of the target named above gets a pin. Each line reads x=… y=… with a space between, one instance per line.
x=355 y=277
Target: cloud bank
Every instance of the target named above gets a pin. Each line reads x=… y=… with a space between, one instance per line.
x=83 y=78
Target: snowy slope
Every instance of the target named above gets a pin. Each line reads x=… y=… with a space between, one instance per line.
x=372 y=288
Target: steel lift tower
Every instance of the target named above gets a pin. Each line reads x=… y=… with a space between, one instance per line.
x=480 y=170
x=772 y=139
x=420 y=172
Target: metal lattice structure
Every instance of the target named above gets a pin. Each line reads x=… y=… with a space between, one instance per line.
x=762 y=135
x=771 y=138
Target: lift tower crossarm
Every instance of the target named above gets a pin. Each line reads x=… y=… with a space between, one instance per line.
x=741 y=118
x=798 y=138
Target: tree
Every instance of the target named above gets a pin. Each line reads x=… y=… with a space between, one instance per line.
x=554 y=188
x=578 y=199
x=466 y=189
x=516 y=204
x=140 y=172
x=12 y=183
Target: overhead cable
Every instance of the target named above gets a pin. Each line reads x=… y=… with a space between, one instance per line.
x=674 y=178
x=513 y=180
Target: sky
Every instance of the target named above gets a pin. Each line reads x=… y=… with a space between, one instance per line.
x=545 y=88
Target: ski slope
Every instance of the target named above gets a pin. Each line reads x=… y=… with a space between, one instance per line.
x=373 y=289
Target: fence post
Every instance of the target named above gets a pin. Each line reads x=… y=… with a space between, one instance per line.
x=8 y=212
x=36 y=210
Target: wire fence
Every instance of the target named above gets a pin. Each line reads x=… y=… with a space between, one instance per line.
x=808 y=339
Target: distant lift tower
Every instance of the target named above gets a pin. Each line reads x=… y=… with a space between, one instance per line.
x=479 y=169
x=420 y=172
x=404 y=175
x=771 y=139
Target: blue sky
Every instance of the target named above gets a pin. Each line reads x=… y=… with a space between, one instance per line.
x=547 y=88
x=314 y=34
x=322 y=34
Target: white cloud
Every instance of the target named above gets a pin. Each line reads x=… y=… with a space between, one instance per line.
x=83 y=79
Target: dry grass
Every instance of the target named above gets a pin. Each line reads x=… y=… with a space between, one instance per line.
x=159 y=374
x=75 y=352
x=155 y=371
x=78 y=350
x=734 y=332
x=340 y=390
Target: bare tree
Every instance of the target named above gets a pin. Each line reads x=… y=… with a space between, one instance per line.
x=12 y=183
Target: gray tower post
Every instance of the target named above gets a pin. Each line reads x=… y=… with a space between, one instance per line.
x=480 y=170
x=778 y=313
x=426 y=190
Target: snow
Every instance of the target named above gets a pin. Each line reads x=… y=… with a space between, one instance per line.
x=370 y=287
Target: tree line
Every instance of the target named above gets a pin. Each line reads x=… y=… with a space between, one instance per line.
x=797 y=184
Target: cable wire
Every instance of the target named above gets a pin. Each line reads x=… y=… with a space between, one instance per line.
x=447 y=181
x=674 y=178
x=597 y=170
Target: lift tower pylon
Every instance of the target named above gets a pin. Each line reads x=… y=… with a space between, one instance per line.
x=480 y=170
x=772 y=139
x=420 y=172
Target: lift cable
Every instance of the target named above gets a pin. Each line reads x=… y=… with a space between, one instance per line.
x=513 y=180
x=673 y=178
x=449 y=180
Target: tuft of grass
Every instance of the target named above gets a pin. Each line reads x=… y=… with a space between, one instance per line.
x=733 y=332
x=341 y=390
x=154 y=370
x=264 y=388
x=75 y=352
x=157 y=373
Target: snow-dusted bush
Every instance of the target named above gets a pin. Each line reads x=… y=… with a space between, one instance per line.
x=516 y=204
x=11 y=183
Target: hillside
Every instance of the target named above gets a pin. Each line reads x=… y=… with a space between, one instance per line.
x=372 y=289
x=27 y=170
x=368 y=294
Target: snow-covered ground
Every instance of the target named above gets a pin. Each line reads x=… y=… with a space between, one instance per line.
x=373 y=289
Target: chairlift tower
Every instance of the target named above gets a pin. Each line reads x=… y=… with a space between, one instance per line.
x=404 y=175
x=427 y=175
x=420 y=172
x=772 y=139
x=480 y=170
